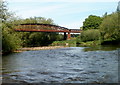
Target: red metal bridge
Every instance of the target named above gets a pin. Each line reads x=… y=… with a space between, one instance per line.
x=37 y=27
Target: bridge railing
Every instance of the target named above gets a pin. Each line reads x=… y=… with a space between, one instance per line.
x=44 y=28
x=40 y=26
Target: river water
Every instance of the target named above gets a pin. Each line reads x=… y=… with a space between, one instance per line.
x=63 y=65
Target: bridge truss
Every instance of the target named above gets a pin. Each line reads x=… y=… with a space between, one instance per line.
x=39 y=27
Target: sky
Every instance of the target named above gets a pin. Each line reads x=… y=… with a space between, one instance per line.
x=67 y=13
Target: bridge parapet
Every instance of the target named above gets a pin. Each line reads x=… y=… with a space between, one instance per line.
x=39 y=27
x=44 y=28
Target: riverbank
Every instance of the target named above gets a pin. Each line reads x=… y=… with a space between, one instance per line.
x=89 y=43
x=38 y=48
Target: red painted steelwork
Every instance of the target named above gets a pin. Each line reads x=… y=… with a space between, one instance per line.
x=40 y=30
x=68 y=36
x=37 y=27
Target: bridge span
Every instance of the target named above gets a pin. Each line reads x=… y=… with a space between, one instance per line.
x=39 y=27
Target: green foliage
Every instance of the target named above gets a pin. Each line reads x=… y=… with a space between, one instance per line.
x=41 y=39
x=118 y=7
x=78 y=40
x=109 y=28
x=64 y=43
x=35 y=20
x=10 y=41
x=31 y=38
x=5 y=15
x=90 y=43
x=38 y=38
x=59 y=37
x=90 y=35
x=3 y=11
x=105 y=15
x=92 y=22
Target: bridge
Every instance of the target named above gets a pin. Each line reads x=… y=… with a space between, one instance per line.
x=39 y=27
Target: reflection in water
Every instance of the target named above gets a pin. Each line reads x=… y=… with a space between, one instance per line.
x=65 y=65
x=103 y=48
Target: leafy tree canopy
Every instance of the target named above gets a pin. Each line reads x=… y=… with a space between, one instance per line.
x=110 y=27
x=92 y=22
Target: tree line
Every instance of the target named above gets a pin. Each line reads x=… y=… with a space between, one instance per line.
x=105 y=29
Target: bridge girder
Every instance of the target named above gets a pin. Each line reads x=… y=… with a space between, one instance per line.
x=39 y=27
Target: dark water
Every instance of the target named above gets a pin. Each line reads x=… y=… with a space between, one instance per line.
x=65 y=65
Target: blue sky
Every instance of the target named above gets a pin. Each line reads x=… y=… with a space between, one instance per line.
x=66 y=13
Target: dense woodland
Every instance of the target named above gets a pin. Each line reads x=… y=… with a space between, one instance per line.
x=102 y=30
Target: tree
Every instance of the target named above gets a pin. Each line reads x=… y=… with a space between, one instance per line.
x=92 y=22
x=110 y=27
x=118 y=7
x=105 y=15
x=4 y=14
x=10 y=41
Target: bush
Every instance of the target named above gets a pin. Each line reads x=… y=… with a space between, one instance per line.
x=90 y=35
x=10 y=41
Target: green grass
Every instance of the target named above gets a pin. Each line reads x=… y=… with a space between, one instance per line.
x=90 y=43
x=64 y=43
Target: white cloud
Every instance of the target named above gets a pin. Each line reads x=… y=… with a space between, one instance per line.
x=62 y=0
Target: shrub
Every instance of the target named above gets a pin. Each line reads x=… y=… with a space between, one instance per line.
x=90 y=35
x=10 y=41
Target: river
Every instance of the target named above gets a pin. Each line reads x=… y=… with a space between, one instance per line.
x=63 y=65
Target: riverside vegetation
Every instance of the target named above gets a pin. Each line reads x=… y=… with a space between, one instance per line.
x=96 y=31
x=106 y=31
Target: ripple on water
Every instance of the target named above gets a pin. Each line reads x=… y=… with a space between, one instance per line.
x=68 y=65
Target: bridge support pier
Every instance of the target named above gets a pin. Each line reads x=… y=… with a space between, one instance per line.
x=65 y=36
x=68 y=36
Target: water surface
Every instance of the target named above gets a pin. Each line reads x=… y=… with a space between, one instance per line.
x=64 y=65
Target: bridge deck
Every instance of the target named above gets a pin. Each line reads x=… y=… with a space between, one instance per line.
x=37 y=27
x=43 y=30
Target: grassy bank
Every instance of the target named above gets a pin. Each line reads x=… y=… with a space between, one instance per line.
x=68 y=43
x=89 y=43
x=74 y=43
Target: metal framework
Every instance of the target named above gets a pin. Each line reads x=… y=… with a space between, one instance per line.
x=39 y=27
